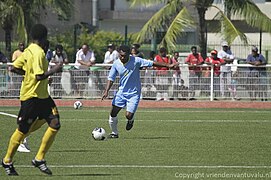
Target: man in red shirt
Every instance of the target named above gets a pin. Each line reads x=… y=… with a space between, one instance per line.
x=193 y=60
x=216 y=62
x=162 y=80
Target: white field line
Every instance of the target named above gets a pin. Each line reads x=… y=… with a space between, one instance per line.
x=159 y=111
x=181 y=121
x=163 y=120
x=152 y=166
x=8 y=114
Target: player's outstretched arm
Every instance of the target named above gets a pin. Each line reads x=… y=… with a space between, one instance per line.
x=56 y=68
x=106 y=91
x=162 y=64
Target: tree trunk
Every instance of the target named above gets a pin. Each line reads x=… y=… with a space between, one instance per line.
x=7 y=27
x=202 y=32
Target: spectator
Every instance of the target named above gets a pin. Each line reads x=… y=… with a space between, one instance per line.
x=18 y=52
x=135 y=51
x=183 y=90
x=111 y=54
x=3 y=58
x=162 y=80
x=195 y=72
x=233 y=86
x=149 y=89
x=84 y=59
x=15 y=80
x=49 y=54
x=225 y=75
x=4 y=75
x=257 y=77
x=59 y=57
x=176 y=74
x=216 y=62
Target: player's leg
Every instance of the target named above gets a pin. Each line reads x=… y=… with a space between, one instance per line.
x=113 y=121
x=50 y=113
x=132 y=105
x=24 y=146
x=118 y=103
x=26 y=117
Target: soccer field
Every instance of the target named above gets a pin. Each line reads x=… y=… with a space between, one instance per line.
x=164 y=144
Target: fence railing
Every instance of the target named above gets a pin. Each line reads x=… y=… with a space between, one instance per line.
x=238 y=83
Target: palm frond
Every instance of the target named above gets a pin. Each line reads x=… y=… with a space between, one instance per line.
x=21 y=30
x=251 y=13
x=146 y=3
x=158 y=20
x=181 y=22
x=228 y=30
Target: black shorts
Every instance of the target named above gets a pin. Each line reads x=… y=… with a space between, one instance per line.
x=35 y=108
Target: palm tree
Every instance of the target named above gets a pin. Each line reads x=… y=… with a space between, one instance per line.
x=247 y=10
x=22 y=14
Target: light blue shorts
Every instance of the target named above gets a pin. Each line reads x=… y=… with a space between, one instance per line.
x=130 y=101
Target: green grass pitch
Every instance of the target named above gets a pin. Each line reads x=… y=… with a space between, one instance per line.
x=164 y=144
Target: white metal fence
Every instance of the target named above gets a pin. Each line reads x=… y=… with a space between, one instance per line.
x=241 y=83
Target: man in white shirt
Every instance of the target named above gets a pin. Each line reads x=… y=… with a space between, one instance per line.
x=84 y=59
x=111 y=54
x=225 y=75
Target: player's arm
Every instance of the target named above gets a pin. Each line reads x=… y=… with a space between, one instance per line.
x=162 y=64
x=17 y=70
x=108 y=87
x=56 y=68
x=18 y=65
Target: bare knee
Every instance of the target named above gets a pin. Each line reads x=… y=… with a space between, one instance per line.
x=129 y=115
x=55 y=124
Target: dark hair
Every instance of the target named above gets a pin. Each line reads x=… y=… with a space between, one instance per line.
x=176 y=52
x=152 y=54
x=38 y=32
x=124 y=48
x=162 y=49
x=193 y=47
x=59 y=46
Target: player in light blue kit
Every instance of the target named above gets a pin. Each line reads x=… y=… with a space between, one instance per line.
x=128 y=95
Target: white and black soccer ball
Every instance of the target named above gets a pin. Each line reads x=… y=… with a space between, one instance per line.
x=99 y=134
x=77 y=104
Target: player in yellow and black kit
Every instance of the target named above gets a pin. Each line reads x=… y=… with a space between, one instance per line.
x=36 y=104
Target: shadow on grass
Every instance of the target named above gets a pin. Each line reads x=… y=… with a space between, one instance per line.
x=74 y=150
x=148 y=138
x=90 y=175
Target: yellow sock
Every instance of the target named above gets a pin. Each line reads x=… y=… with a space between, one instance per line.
x=46 y=143
x=14 y=142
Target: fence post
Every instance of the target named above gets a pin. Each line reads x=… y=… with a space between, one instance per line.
x=212 y=84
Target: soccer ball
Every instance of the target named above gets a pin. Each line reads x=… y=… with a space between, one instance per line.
x=99 y=134
x=77 y=104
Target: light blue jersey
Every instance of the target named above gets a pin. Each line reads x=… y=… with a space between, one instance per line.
x=130 y=84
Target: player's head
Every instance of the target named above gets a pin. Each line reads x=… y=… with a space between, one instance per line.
x=45 y=45
x=124 y=53
x=39 y=32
